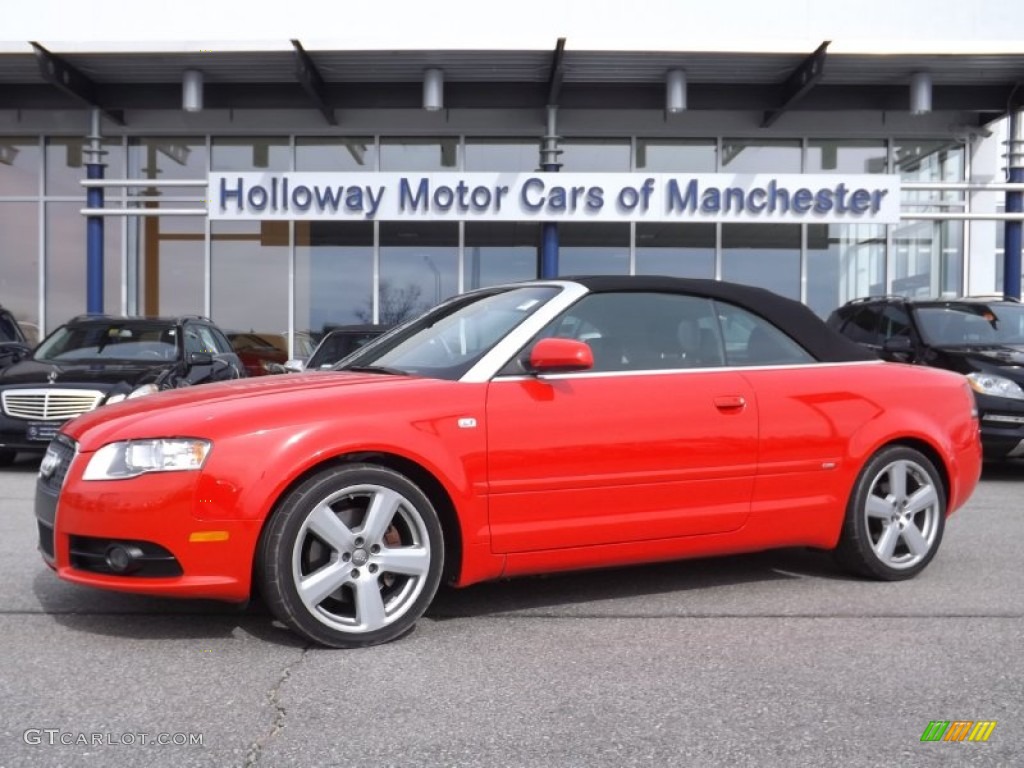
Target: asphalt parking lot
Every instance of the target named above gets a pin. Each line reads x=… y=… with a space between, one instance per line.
x=771 y=659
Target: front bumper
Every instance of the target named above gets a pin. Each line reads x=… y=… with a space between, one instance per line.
x=152 y=516
x=27 y=436
x=1002 y=426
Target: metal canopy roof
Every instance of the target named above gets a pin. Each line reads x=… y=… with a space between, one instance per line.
x=982 y=83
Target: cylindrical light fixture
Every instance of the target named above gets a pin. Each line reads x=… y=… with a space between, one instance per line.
x=433 y=90
x=675 y=90
x=920 y=93
x=192 y=90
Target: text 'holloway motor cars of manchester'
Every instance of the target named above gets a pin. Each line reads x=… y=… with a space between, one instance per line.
x=518 y=429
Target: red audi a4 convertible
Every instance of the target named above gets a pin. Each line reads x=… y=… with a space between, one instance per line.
x=519 y=429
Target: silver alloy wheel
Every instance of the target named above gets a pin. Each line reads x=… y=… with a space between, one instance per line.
x=902 y=514
x=361 y=558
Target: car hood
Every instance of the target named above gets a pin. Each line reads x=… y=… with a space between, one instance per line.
x=86 y=373
x=974 y=357
x=263 y=403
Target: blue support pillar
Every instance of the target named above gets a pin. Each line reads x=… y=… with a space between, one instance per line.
x=549 y=250
x=1014 y=204
x=548 y=266
x=94 y=224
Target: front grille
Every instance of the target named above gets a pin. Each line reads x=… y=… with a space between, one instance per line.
x=50 y=404
x=55 y=464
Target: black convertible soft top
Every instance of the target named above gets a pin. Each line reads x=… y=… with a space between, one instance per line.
x=796 y=319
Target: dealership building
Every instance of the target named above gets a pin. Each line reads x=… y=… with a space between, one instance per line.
x=283 y=187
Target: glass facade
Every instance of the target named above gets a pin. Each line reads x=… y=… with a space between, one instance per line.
x=64 y=260
x=333 y=274
x=499 y=252
x=168 y=275
x=19 y=258
x=298 y=278
x=928 y=257
x=844 y=261
x=418 y=268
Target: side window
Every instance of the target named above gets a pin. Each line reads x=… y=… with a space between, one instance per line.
x=752 y=340
x=220 y=341
x=194 y=341
x=862 y=327
x=8 y=331
x=643 y=331
x=209 y=341
x=895 y=322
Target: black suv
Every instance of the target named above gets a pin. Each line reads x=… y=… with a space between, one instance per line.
x=94 y=360
x=13 y=342
x=982 y=338
x=338 y=343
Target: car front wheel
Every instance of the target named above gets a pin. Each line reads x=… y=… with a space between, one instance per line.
x=352 y=557
x=895 y=516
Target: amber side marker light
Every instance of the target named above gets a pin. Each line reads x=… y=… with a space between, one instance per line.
x=198 y=536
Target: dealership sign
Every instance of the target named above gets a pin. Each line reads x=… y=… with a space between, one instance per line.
x=570 y=197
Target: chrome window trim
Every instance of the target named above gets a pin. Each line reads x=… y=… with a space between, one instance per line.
x=690 y=371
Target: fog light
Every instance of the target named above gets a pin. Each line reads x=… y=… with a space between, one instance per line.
x=123 y=558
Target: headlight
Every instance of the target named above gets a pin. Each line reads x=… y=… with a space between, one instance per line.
x=145 y=389
x=997 y=386
x=135 y=457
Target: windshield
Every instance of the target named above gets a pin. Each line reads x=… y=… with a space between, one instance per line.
x=447 y=341
x=115 y=341
x=972 y=324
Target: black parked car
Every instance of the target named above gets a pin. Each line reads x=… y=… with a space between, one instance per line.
x=338 y=343
x=982 y=338
x=94 y=360
x=14 y=344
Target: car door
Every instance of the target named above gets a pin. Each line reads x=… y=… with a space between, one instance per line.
x=656 y=441
x=203 y=338
x=806 y=414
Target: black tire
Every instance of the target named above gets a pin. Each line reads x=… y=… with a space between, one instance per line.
x=352 y=557
x=895 y=517
x=7 y=457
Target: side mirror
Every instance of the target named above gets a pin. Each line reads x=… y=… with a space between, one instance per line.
x=900 y=348
x=560 y=356
x=295 y=365
x=12 y=352
x=200 y=358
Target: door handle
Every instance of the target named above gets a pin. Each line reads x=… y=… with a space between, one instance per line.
x=730 y=402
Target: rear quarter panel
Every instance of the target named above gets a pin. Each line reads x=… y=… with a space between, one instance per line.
x=821 y=425
x=931 y=407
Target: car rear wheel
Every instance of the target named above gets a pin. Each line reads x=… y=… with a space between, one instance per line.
x=352 y=557
x=895 y=516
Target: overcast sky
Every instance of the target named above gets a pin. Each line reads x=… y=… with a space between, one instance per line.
x=766 y=25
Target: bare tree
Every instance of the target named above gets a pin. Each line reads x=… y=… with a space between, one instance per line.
x=396 y=304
